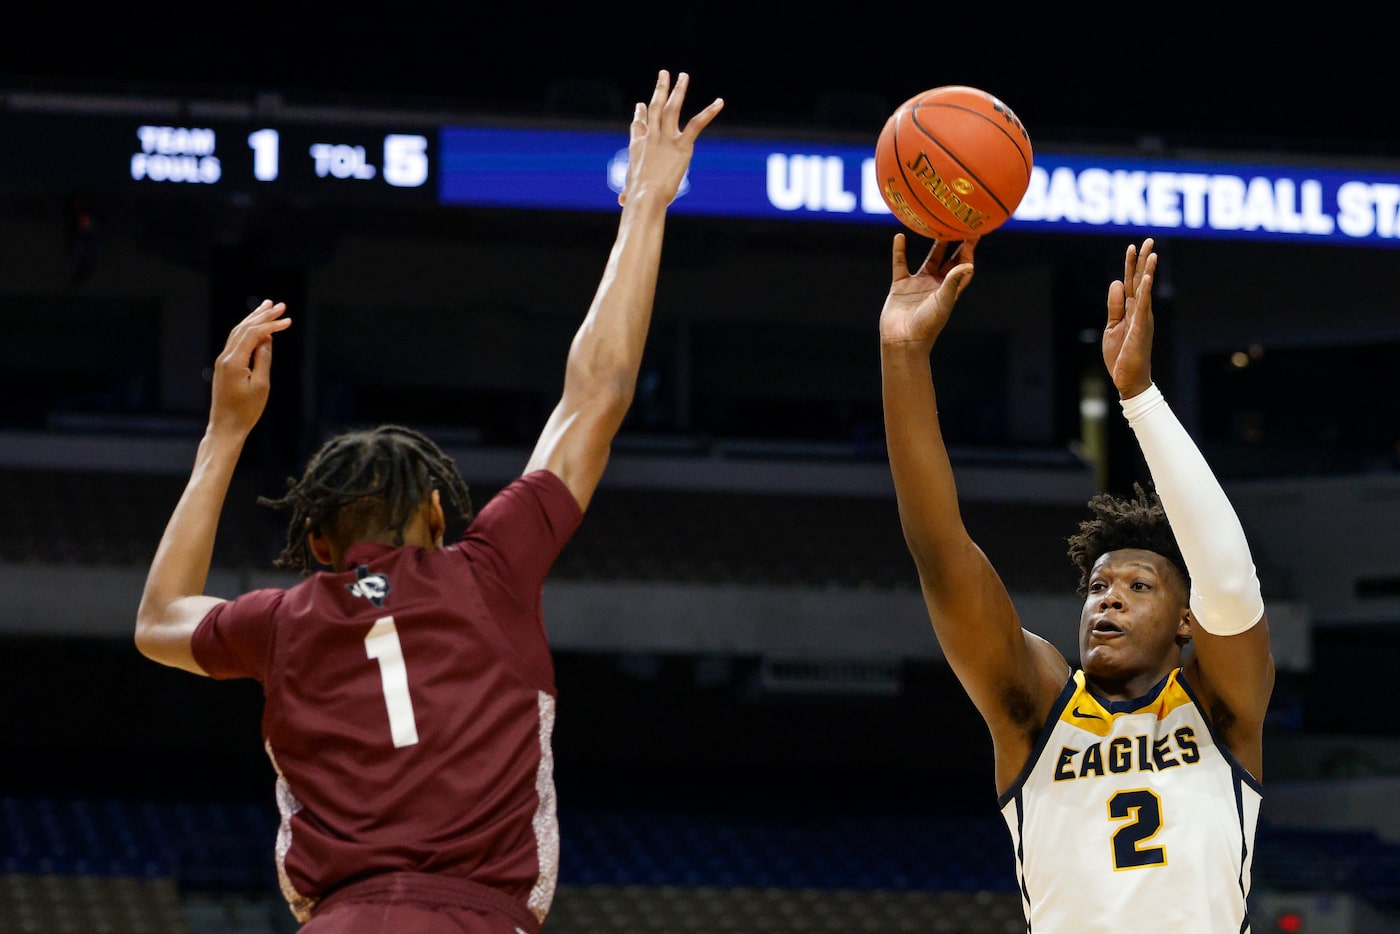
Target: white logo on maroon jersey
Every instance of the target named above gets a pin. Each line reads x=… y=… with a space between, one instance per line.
x=373 y=587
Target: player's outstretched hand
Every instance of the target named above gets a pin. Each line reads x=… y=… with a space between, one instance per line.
x=243 y=371
x=1127 y=335
x=919 y=303
x=660 y=147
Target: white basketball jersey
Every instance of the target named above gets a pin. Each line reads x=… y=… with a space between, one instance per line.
x=1129 y=816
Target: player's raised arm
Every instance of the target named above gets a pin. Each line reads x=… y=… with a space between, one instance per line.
x=600 y=377
x=971 y=611
x=173 y=600
x=1232 y=665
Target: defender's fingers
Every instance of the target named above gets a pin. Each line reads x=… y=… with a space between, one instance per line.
x=245 y=338
x=662 y=88
x=235 y=333
x=671 y=110
x=676 y=98
x=266 y=309
x=702 y=119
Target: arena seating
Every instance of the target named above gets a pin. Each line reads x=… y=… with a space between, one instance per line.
x=121 y=865
x=116 y=519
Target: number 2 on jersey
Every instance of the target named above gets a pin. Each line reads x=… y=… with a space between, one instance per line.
x=382 y=644
x=1144 y=809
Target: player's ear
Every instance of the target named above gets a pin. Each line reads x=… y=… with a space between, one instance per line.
x=320 y=546
x=1183 y=629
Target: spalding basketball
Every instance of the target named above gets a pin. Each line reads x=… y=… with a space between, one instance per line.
x=953 y=162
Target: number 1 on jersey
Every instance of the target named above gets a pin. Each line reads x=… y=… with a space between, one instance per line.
x=382 y=644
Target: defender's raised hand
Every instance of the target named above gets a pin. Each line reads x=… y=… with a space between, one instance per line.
x=243 y=371
x=659 y=148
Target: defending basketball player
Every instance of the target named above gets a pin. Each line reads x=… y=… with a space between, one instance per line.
x=408 y=686
x=1130 y=783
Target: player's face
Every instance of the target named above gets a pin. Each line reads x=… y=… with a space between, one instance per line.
x=1133 y=613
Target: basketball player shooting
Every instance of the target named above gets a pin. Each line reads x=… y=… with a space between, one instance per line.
x=1131 y=784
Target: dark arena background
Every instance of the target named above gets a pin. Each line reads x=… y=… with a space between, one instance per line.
x=756 y=730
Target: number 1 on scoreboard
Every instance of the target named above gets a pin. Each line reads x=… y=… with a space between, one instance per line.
x=266 y=148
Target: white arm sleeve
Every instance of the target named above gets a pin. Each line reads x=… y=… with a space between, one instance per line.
x=1225 y=595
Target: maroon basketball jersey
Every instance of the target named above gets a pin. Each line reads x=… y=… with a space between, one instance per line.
x=409 y=704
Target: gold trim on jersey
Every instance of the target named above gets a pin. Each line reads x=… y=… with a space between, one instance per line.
x=1085 y=712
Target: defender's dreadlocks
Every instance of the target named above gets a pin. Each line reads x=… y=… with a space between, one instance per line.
x=367 y=481
x=1119 y=522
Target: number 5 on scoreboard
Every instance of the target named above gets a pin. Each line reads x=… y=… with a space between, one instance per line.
x=382 y=644
x=406 y=160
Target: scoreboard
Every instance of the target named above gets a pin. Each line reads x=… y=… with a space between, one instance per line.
x=387 y=161
x=299 y=162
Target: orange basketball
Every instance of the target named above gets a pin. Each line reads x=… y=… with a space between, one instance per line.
x=953 y=162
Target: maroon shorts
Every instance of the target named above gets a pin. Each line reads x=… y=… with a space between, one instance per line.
x=396 y=902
